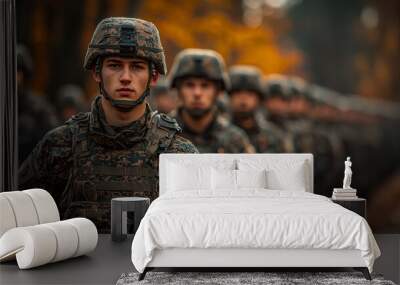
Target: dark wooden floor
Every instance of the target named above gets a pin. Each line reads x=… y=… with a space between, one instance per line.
x=110 y=260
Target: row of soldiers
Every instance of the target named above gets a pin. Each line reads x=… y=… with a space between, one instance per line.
x=112 y=150
x=274 y=114
x=37 y=115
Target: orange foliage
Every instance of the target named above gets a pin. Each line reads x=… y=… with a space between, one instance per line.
x=211 y=24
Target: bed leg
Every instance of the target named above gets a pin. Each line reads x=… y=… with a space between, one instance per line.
x=143 y=274
x=364 y=271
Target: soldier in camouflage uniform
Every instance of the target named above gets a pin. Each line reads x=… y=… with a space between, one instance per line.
x=246 y=94
x=36 y=115
x=70 y=101
x=112 y=150
x=199 y=76
x=286 y=97
x=327 y=145
x=162 y=99
x=274 y=107
x=276 y=100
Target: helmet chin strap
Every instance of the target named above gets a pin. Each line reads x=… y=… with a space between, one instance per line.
x=123 y=105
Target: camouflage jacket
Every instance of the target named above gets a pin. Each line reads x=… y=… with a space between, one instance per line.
x=265 y=137
x=86 y=162
x=220 y=136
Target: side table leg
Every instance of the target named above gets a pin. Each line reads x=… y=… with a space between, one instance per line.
x=116 y=221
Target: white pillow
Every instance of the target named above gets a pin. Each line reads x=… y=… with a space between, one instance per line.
x=282 y=174
x=223 y=179
x=182 y=177
x=251 y=178
x=189 y=160
x=279 y=180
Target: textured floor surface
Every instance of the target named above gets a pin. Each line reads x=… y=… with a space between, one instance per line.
x=275 y=278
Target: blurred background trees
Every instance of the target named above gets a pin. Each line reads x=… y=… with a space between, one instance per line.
x=350 y=46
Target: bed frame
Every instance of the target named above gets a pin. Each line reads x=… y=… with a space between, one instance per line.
x=247 y=259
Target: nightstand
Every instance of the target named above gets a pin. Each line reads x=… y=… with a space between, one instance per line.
x=357 y=205
x=135 y=207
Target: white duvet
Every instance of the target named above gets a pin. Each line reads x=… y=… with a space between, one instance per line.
x=252 y=218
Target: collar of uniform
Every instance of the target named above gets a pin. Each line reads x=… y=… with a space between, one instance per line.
x=217 y=123
x=253 y=130
x=129 y=133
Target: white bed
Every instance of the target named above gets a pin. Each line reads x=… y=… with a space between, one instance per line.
x=226 y=226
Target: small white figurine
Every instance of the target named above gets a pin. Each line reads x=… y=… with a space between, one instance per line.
x=347 y=174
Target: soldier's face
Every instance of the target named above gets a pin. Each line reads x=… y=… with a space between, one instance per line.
x=125 y=78
x=298 y=106
x=244 y=101
x=197 y=94
x=277 y=106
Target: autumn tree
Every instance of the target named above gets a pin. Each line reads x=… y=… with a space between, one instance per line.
x=218 y=25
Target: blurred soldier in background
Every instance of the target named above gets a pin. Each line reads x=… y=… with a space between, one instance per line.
x=199 y=76
x=35 y=115
x=223 y=105
x=246 y=95
x=358 y=135
x=70 y=101
x=162 y=99
x=113 y=150
x=275 y=107
x=276 y=100
x=302 y=107
x=288 y=107
x=299 y=99
x=364 y=136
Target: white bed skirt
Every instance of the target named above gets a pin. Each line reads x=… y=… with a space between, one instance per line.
x=194 y=257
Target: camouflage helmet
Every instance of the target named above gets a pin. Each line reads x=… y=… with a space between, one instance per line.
x=245 y=77
x=276 y=85
x=297 y=87
x=199 y=63
x=126 y=37
x=70 y=95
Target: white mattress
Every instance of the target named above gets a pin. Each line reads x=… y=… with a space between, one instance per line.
x=255 y=218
